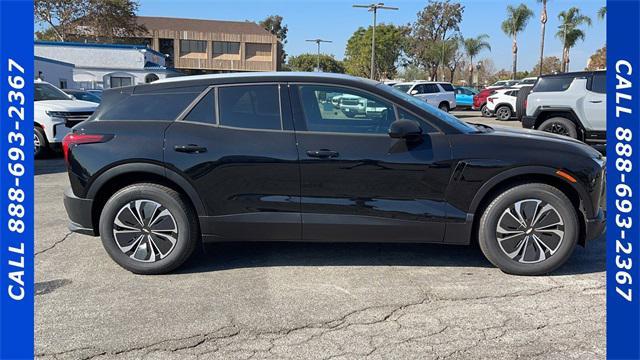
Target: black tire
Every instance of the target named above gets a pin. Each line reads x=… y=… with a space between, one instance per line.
x=40 y=143
x=503 y=113
x=488 y=229
x=560 y=126
x=179 y=208
x=484 y=110
x=444 y=106
x=520 y=100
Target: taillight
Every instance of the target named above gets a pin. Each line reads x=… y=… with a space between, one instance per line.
x=76 y=139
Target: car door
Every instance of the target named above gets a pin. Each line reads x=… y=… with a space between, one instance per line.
x=595 y=102
x=358 y=184
x=237 y=148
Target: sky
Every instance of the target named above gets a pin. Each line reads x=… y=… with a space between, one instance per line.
x=336 y=20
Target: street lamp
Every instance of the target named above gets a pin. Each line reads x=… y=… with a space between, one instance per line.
x=318 y=41
x=374 y=9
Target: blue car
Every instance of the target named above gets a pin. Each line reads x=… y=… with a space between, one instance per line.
x=464 y=96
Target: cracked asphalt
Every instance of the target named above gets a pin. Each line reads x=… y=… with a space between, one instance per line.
x=306 y=301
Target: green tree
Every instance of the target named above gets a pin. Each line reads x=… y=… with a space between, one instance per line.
x=437 y=22
x=473 y=47
x=570 y=32
x=102 y=20
x=598 y=60
x=389 y=47
x=308 y=62
x=543 y=25
x=602 y=13
x=517 y=19
x=550 y=65
x=274 y=25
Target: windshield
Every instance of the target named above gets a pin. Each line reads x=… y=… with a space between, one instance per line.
x=402 y=87
x=86 y=96
x=45 y=91
x=444 y=116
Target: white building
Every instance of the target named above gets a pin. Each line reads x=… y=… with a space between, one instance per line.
x=103 y=66
x=58 y=73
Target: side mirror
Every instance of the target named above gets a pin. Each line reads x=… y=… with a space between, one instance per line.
x=405 y=129
x=413 y=92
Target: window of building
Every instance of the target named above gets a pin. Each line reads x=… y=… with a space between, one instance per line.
x=204 y=111
x=258 y=52
x=119 y=81
x=250 y=106
x=222 y=49
x=63 y=84
x=336 y=109
x=193 y=47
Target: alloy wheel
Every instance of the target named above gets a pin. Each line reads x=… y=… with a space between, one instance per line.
x=485 y=111
x=530 y=231
x=503 y=113
x=36 y=144
x=145 y=230
x=557 y=128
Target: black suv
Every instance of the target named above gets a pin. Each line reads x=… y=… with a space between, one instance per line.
x=273 y=157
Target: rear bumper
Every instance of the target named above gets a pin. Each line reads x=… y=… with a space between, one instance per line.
x=79 y=213
x=596 y=226
x=528 y=122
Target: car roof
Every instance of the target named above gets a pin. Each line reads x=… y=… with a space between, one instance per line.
x=573 y=74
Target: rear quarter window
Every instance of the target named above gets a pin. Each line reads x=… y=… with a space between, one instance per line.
x=161 y=105
x=552 y=84
x=447 y=87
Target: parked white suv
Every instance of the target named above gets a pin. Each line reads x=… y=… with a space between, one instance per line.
x=439 y=94
x=530 y=81
x=54 y=114
x=503 y=103
x=571 y=104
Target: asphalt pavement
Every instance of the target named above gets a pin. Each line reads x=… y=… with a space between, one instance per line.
x=307 y=301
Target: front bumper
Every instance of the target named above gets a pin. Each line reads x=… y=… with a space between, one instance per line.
x=596 y=226
x=79 y=213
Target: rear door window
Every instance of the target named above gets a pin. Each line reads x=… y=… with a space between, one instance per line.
x=447 y=86
x=205 y=111
x=250 y=106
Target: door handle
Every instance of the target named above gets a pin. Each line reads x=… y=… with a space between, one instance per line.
x=595 y=101
x=190 y=149
x=322 y=154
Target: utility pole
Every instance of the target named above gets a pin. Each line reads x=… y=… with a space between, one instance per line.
x=318 y=41
x=374 y=9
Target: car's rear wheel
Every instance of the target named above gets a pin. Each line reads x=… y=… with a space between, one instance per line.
x=484 y=110
x=560 y=126
x=530 y=229
x=444 y=106
x=504 y=113
x=40 y=144
x=148 y=228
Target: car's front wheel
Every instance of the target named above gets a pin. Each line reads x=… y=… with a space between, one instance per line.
x=40 y=144
x=530 y=229
x=148 y=228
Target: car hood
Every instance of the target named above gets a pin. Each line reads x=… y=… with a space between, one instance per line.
x=542 y=137
x=66 y=105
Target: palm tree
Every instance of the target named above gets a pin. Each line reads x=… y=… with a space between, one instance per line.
x=569 y=31
x=602 y=13
x=517 y=19
x=473 y=46
x=543 y=22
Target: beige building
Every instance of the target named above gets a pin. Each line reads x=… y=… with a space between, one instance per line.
x=210 y=46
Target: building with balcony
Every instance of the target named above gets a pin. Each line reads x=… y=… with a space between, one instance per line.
x=211 y=46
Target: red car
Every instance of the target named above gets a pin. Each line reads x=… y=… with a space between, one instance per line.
x=480 y=101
